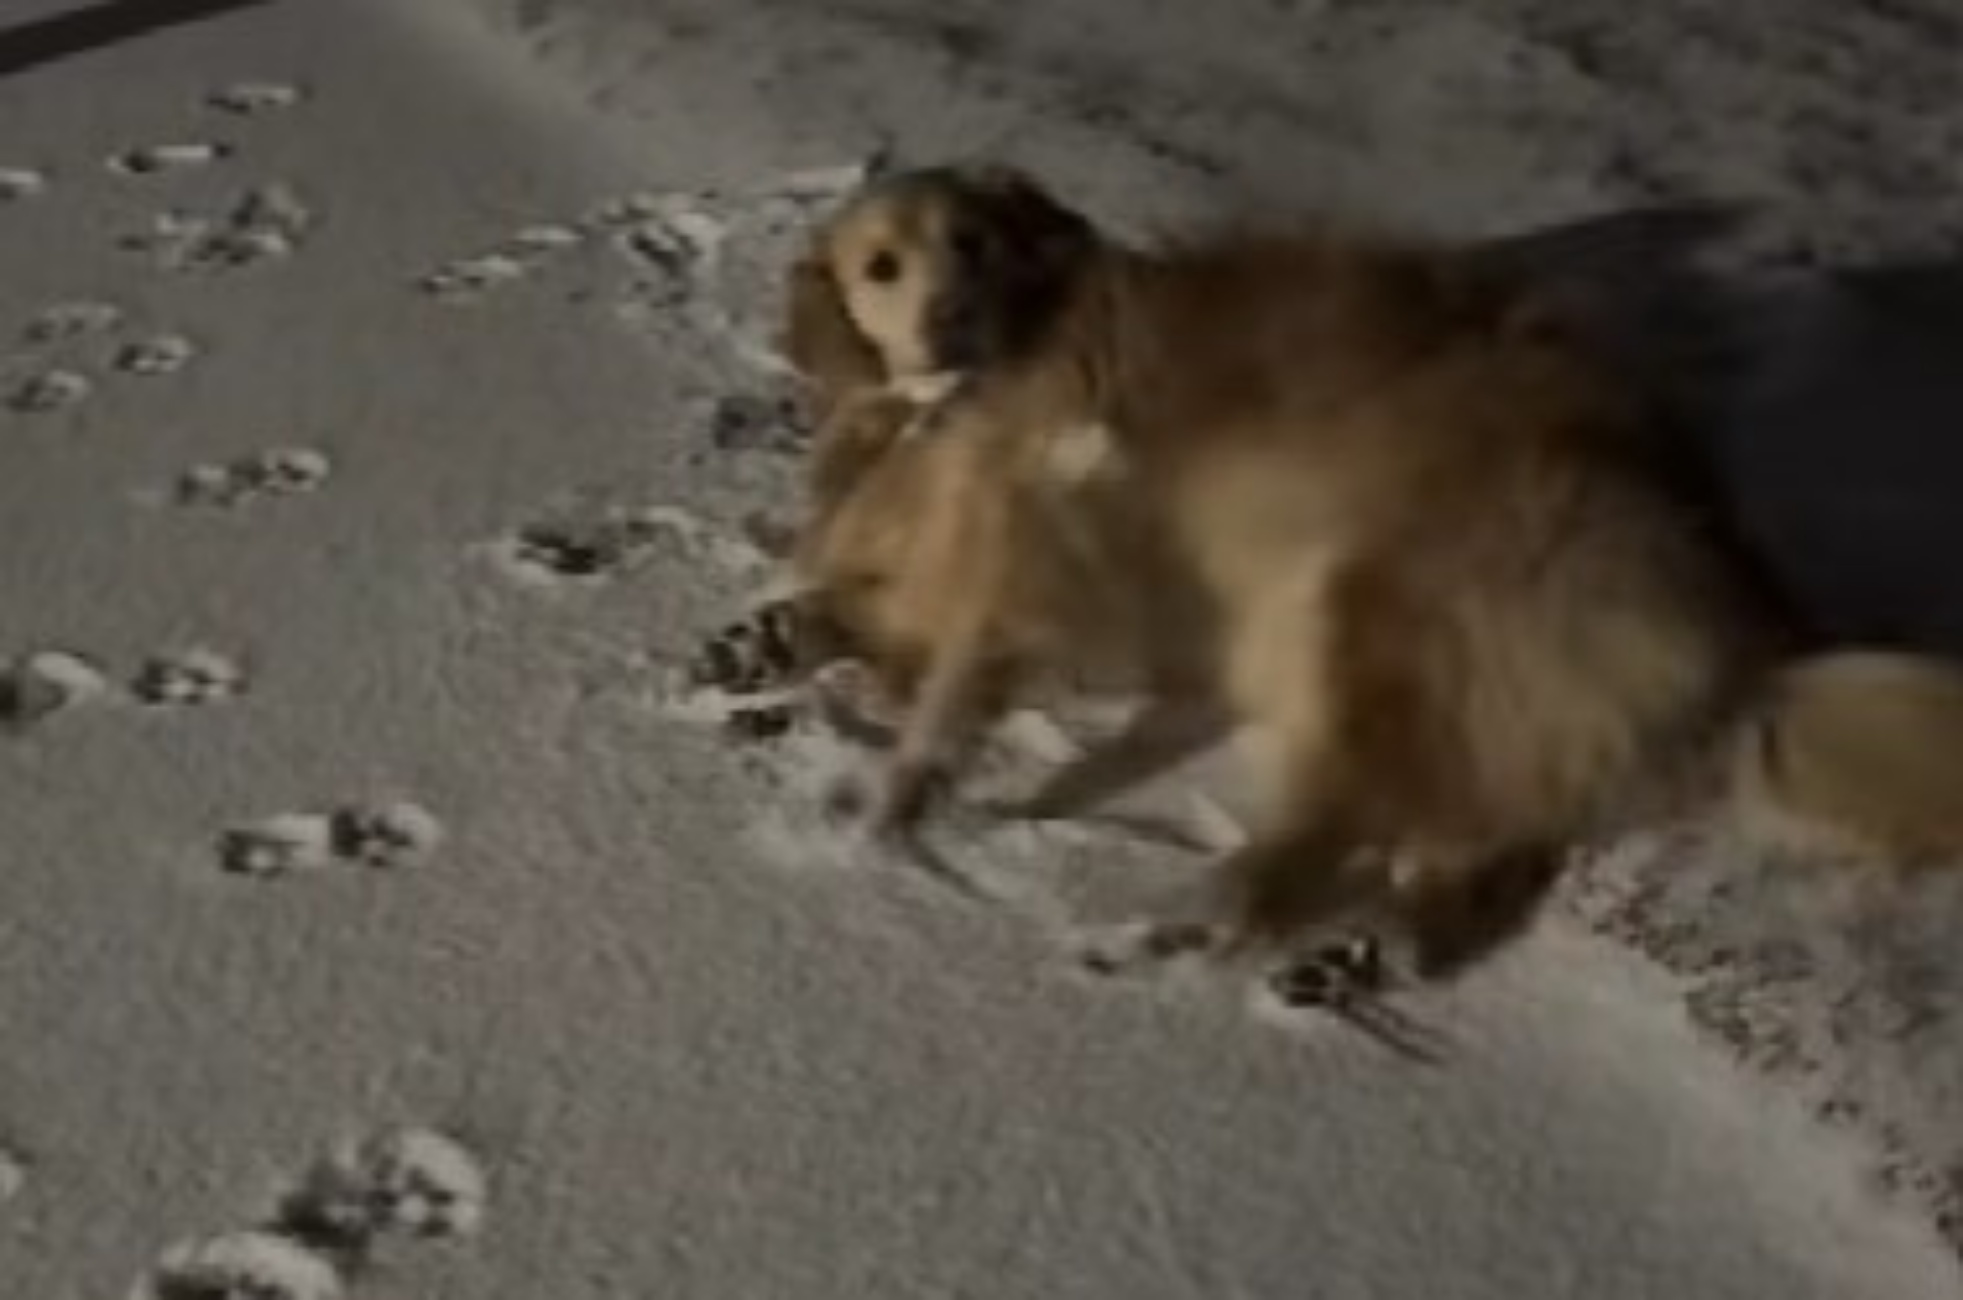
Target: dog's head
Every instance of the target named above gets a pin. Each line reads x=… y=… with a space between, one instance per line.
x=949 y=269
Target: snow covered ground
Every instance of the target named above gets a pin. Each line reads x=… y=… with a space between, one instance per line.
x=376 y=423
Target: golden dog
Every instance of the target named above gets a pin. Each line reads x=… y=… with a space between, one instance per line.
x=1364 y=497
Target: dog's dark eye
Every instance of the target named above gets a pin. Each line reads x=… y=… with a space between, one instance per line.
x=883 y=267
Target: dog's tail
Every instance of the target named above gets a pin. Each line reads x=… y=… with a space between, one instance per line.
x=1861 y=751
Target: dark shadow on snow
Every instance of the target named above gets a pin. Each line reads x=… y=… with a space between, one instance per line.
x=1817 y=413
x=60 y=36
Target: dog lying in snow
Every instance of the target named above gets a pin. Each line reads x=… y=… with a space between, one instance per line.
x=1360 y=500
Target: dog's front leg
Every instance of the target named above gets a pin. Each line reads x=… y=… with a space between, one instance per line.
x=948 y=705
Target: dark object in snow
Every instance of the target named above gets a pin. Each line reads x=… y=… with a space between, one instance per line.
x=753 y=653
x=1334 y=975
x=756 y=422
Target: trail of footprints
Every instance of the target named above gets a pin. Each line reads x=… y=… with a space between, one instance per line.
x=265 y=223
x=404 y=1184
x=677 y=246
x=260 y=223
x=67 y=350
x=38 y=685
x=679 y=243
x=258 y=476
x=383 y=836
x=419 y=1183
x=59 y=385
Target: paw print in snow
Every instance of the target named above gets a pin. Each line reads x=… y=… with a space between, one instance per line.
x=64 y=321
x=49 y=391
x=247 y=1265
x=44 y=683
x=1334 y=975
x=161 y=354
x=754 y=653
x=583 y=549
x=263 y=224
x=278 y=846
x=387 y=837
x=196 y=676
x=384 y=837
x=468 y=279
x=285 y=471
x=412 y=1181
x=749 y=422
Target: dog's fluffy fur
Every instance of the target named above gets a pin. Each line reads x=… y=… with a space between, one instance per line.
x=1363 y=497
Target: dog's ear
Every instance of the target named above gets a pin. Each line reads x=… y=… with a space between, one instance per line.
x=820 y=339
x=1016 y=257
x=1047 y=239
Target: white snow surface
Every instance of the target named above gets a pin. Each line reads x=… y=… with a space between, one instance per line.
x=476 y=386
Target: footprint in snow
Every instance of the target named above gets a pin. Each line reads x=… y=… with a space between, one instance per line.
x=580 y=549
x=188 y=678
x=387 y=837
x=63 y=322
x=678 y=242
x=151 y=160
x=52 y=390
x=279 y=472
x=577 y=551
x=406 y=1182
x=747 y=672
x=46 y=682
x=592 y=543
x=255 y=98
x=282 y=845
x=668 y=234
x=471 y=278
x=749 y=422
x=252 y=1264
x=18 y=184
x=268 y=223
x=465 y=280
x=160 y=354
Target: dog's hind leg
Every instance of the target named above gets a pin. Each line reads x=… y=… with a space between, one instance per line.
x=1457 y=909
x=1293 y=880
